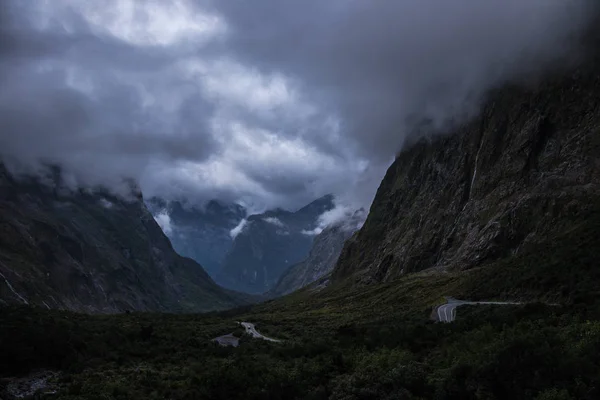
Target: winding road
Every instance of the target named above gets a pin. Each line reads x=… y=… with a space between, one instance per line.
x=447 y=312
x=231 y=340
x=251 y=330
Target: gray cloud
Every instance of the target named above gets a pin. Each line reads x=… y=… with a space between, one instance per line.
x=267 y=102
x=79 y=100
x=381 y=65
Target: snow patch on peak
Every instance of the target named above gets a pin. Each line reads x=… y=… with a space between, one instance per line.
x=239 y=228
x=274 y=221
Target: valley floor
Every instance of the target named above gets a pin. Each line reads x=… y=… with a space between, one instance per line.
x=346 y=342
x=327 y=351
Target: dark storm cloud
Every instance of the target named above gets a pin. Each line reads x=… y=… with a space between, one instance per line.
x=271 y=102
x=101 y=131
x=384 y=64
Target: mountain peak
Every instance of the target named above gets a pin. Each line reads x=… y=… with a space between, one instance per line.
x=96 y=253
x=321 y=204
x=519 y=174
x=273 y=241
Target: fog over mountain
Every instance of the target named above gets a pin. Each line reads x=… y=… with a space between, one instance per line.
x=268 y=103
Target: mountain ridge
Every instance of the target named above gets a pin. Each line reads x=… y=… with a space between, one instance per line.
x=267 y=244
x=323 y=255
x=521 y=172
x=93 y=251
x=201 y=233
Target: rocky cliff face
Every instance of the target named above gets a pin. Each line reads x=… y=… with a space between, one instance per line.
x=527 y=169
x=268 y=244
x=93 y=252
x=323 y=256
x=202 y=234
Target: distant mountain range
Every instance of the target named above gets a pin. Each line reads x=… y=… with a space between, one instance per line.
x=201 y=233
x=92 y=251
x=248 y=254
x=269 y=243
x=323 y=255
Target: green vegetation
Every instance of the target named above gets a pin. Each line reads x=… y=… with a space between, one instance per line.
x=374 y=342
x=524 y=352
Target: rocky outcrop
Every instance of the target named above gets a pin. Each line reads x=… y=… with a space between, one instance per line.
x=526 y=169
x=94 y=252
x=323 y=256
x=268 y=244
x=200 y=233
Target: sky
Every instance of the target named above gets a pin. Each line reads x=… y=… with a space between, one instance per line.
x=270 y=103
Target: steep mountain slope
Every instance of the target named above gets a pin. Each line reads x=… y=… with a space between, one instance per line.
x=94 y=252
x=268 y=244
x=202 y=234
x=526 y=170
x=325 y=252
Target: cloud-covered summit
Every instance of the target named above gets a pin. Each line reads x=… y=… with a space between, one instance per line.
x=268 y=102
